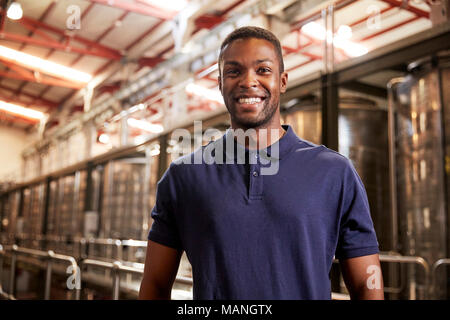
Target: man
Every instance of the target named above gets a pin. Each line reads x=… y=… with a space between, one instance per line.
x=254 y=236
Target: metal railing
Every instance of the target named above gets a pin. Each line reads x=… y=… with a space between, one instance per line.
x=117 y=268
x=434 y=268
x=392 y=258
x=50 y=256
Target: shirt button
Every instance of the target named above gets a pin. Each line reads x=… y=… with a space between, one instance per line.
x=255 y=174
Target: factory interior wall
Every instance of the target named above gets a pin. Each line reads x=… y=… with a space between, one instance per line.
x=13 y=141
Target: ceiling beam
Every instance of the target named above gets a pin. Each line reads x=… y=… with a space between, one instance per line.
x=20 y=102
x=369 y=89
x=93 y=44
x=418 y=12
x=61 y=38
x=140 y=8
x=36 y=100
x=395 y=26
x=42 y=79
x=38 y=75
x=45 y=14
x=59 y=46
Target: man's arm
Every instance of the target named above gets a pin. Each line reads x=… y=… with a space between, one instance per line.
x=161 y=266
x=363 y=278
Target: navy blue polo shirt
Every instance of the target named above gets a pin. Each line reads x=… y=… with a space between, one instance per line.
x=254 y=236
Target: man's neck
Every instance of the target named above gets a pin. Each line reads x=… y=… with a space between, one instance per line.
x=258 y=138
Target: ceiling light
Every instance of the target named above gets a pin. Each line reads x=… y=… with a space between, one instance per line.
x=15 y=11
x=21 y=111
x=171 y=5
x=145 y=125
x=209 y=94
x=316 y=31
x=345 y=31
x=43 y=66
x=103 y=138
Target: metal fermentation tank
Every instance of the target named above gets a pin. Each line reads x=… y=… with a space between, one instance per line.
x=420 y=114
x=128 y=196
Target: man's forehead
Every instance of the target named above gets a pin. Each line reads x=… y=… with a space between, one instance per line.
x=261 y=49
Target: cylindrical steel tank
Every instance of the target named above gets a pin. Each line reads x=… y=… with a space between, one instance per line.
x=126 y=203
x=419 y=113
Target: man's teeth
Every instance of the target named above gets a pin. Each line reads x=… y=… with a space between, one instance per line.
x=249 y=100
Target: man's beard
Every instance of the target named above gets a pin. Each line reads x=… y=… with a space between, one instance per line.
x=266 y=114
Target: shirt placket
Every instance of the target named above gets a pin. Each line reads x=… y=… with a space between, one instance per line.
x=256 y=182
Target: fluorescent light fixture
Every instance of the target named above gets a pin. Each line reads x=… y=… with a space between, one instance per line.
x=171 y=5
x=43 y=66
x=15 y=11
x=154 y=152
x=345 y=31
x=21 y=111
x=316 y=31
x=209 y=94
x=103 y=138
x=145 y=125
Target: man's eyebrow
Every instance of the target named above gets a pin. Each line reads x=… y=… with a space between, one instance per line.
x=264 y=60
x=235 y=63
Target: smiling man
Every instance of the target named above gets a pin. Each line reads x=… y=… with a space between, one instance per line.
x=250 y=235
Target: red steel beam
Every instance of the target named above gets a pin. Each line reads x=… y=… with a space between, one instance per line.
x=2 y=19
x=390 y=28
x=16 y=68
x=42 y=17
x=18 y=101
x=33 y=29
x=42 y=79
x=99 y=48
x=85 y=12
x=367 y=17
x=300 y=65
x=57 y=45
x=36 y=100
x=99 y=38
x=208 y=21
x=18 y=117
x=418 y=12
x=139 y=8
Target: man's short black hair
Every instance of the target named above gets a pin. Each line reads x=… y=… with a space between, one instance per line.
x=254 y=32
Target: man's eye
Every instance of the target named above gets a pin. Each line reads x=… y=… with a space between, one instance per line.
x=264 y=70
x=232 y=71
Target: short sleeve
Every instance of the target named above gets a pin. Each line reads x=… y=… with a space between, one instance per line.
x=164 y=229
x=356 y=234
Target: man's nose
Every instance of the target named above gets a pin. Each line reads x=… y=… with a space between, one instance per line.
x=248 y=80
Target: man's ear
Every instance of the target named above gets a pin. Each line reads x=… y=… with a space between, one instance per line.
x=283 y=82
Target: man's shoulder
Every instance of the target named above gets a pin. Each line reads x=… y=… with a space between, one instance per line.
x=320 y=154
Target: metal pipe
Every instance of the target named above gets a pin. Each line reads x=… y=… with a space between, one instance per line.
x=2 y=254
x=12 y=276
x=116 y=280
x=48 y=278
x=392 y=161
x=325 y=44
x=331 y=56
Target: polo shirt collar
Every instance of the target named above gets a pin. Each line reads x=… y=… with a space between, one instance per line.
x=285 y=144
